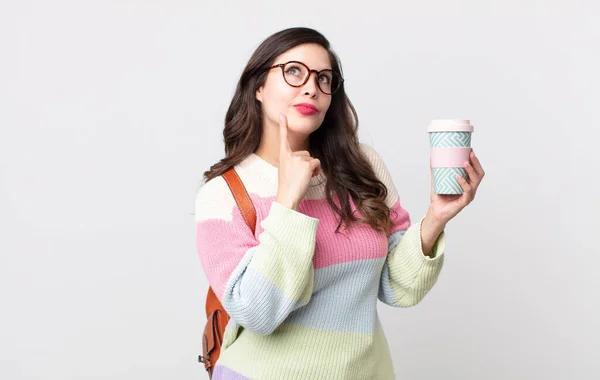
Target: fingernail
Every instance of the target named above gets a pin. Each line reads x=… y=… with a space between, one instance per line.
x=281 y=117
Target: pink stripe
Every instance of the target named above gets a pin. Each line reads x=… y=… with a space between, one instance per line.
x=400 y=218
x=221 y=250
x=221 y=245
x=449 y=157
x=359 y=243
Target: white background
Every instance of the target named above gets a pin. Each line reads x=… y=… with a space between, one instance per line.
x=110 y=111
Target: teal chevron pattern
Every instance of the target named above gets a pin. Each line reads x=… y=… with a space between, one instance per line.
x=450 y=139
x=444 y=180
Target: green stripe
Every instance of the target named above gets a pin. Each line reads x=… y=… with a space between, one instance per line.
x=445 y=182
x=450 y=139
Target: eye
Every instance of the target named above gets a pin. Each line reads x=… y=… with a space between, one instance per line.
x=325 y=78
x=293 y=70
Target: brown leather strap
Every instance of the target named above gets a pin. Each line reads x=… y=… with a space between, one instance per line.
x=241 y=197
x=217 y=317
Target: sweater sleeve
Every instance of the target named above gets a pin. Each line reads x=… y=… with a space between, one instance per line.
x=407 y=274
x=259 y=280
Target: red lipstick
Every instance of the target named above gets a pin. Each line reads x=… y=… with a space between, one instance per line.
x=306 y=109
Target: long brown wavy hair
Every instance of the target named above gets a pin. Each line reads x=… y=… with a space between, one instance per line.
x=335 y=143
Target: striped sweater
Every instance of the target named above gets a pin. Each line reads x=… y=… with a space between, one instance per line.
x=303 y=298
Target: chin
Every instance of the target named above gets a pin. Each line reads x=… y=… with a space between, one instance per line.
x=304 y=125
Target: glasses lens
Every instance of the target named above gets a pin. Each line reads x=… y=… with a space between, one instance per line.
x=328 y=82
x=295 y=73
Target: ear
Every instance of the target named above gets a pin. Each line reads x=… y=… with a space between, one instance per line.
x=259 y=94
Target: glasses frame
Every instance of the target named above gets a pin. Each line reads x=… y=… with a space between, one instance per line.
x=310 y=71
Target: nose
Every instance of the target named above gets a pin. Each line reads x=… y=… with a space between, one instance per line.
x=311 y=87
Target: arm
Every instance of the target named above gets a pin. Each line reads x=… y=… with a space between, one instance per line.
x=431 y=229
x=415 y=251
x=258 y=281
x=408 y=274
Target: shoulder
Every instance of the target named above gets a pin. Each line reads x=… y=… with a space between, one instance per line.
x=374 y=158
x=214 y=200
x=369 y=152
x=381 y=171
x=366 y=148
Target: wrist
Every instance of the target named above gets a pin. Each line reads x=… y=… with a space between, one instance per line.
x=291 y=204
x=431 y=228
x=433 y=224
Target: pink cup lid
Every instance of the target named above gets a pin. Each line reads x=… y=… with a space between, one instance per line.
x=450 y=125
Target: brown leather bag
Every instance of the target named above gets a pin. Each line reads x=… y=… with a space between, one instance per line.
x=216 y=316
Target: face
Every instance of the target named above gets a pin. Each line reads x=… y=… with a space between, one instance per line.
x=278 y=97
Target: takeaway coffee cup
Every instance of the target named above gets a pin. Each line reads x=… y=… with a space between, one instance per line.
x=450 y=144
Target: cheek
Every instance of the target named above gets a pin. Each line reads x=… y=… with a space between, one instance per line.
x=325 y=105
x=277 y=98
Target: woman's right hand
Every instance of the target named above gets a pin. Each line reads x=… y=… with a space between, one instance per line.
x=295 y=170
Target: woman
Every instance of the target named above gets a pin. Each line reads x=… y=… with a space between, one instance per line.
x=331 y=236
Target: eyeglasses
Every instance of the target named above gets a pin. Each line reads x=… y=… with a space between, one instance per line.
x=296 y=74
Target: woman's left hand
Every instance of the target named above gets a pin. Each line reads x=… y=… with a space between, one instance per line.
x=444 y=207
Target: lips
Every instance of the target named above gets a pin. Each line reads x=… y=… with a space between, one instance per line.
x=306 y=109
